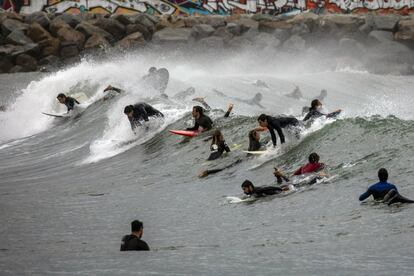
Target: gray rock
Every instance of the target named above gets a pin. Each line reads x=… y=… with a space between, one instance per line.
x=133 y=28
x=39 y=17
x=112 y=26
x=405 y=30
x=387 y=22
x=27 y=61
x=239 y=42
x=19 y=69
x=69 y=19
x=67 y=34
x=96 y=41
x=49 y=60
x=280 y=34
x=123 y=19
x=37 y=33
x=172 y=35
x=265 y=40
x=12 y=51
x=295 y=44
x=380 y=36
x=89 y=30
x=201 y=31
x=56 y=25
x=214 y=21
x=251 y=34
x=134 y=40
x=223 y=33
x=271 y=26
x=144 y=20
x=5 y=65
x=10 y=25
x=69 y=51
x=234 y=29
x=212 y=42
x=300 y=29
x=17 y=37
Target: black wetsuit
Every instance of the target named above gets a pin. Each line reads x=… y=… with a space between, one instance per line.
x=70 y=103
x=265 y=190
x=217 y=150
x=278 y=123
x=314 y=114
x=204 y=121
x=385 y=190
x=133 y=243
x=254 y=145
x=141 y=113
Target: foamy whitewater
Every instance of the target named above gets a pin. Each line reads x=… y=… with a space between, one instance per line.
x=70 y=186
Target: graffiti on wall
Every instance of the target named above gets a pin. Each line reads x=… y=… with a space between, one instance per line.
x=203 y=7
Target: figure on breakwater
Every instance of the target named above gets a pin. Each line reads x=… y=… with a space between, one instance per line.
x=140 y=112
x=133 y=241
x=384 y=191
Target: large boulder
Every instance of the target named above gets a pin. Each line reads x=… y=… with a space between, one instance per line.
x=295 y=44
x=56 y=25
x=69 y=19
x=132 y=41
x=168 y=35
x=112 y=26
x=67 y=34
x=10 y=15
x=405 y=30
x=380 y=36
x=239 y=42
x=38 y=17
x=17 y=37
x=214 y=21
x=49 y=60
x=10 y=25
x=344 y=23
x=144 y=20
x=123 y=19
x=19 y=69
x=12 y=51
x=96 y=41
x=246 y=24
x=266 y=40
x=234 y=29
x=386 y=22
x=224 y=33
x=27 y=61
x=5 y=64
x=50 y=47
x=37 y=33
x=201 y=31
x=69 y=51
x=90 y=30
x=133 y=28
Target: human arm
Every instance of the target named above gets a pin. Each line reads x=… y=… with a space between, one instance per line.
x=195 y=127
x=110 y=87
x=365 y=195
x=226 y=147
x=229 y=109
x=280 y=132
x=273 y=135
x=333 y=114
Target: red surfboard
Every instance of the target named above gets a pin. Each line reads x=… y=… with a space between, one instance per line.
x=188 y=133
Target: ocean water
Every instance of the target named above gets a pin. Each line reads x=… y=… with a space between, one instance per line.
x=70 y=187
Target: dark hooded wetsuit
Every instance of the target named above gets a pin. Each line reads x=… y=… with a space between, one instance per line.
x=141 y=113
x=265 y=190
x=204 y=121
x=383 y=190
x=70 y=103
x=218 y=149
x=314 y=114
x=277 y=123
x=133 y=243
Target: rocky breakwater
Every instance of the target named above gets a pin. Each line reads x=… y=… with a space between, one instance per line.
x=376 y=43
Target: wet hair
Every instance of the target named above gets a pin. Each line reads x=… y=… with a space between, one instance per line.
x=61 y=95
x=314 y=104
x=216 y=137
x=247 y=183
x=313 y=157
x=199 y=109
x=383 y=175
x=128 y=109
x=254 y=144
x=262 y=118
x=136 y=226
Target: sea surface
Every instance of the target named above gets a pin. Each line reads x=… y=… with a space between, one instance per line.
x=69 y=187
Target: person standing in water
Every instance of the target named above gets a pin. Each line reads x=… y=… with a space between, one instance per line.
x=133 y=241
x=384 y=190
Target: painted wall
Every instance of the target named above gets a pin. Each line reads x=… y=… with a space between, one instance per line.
x=193 y=7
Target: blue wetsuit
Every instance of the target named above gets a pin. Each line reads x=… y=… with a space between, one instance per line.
x=378 y=191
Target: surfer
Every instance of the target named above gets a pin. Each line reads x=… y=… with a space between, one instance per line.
x=257 y=98
x=218 y=146
x=140 y=112
x=68 y=101
x=384 y=190
x=254 y=141
x=315 y=111
x=157 y=79
x=272 y=123
x=133 y=241
x=202 y=121
x=261 y=191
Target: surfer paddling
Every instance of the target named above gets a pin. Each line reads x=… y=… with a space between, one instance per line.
x=201 y=121
x=140 y=112
x=315 y=111
x=384 y=191
x=69 y=102
x=250 y=190
x=276 y=123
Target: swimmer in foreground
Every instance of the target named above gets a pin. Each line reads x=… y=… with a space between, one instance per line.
x=68 y=101
x=315 y=111
x=133 y=241
x=273 y=123
x=250 y=190
x=384 y=191
x=140 y=112
x=201 y=122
